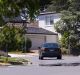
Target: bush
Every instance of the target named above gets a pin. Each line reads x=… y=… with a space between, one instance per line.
x=76 y=50
x=28 y=44
x=64 y=51
x=11 y=38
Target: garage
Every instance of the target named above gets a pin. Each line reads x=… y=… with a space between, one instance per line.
x=37 y=40
x=39 y=36
x=51 y=38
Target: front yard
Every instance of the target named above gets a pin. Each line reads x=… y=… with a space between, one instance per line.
x=7 y=61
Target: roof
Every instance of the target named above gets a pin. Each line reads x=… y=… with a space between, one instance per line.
x=49 y=13
x=33 y=30
x=44 y=13
x=17 y=19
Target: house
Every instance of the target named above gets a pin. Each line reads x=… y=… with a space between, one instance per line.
x=47 y=20
x=39 y=36
x=41 y=31
x=45 y=31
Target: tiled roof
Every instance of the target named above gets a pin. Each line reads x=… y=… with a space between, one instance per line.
x=33 y=30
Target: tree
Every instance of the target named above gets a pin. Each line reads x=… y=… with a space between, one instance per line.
x=67 y=24
x=70 y=20
x=58 y=5
x=64 y=40
x=12 y=8
x=11 y=38
x=44 y=4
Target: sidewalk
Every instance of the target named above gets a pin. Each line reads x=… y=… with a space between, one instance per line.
x=24 y=55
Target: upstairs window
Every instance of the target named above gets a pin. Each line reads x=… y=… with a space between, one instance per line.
x=49 y=20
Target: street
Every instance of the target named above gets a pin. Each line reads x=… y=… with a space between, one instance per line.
x=69 y=65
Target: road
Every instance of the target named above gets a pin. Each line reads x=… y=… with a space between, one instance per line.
x=69 y=65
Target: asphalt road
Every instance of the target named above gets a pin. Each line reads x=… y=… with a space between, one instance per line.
x=69 y=65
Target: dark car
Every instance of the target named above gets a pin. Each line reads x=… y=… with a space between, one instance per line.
x=50 y=50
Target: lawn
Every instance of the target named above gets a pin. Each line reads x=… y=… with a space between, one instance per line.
x=13 y=61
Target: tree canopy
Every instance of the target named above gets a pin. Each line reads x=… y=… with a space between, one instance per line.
x=44 y=4
x=69 y=23
x=60 y=5
x=12 y=39
x=12 y=8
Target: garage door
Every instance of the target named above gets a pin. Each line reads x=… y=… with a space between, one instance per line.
x=37 y=41
x=51 y=38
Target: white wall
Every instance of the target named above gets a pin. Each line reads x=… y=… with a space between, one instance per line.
x=42 y=24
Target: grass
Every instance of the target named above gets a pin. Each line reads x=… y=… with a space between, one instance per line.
x=13 y=61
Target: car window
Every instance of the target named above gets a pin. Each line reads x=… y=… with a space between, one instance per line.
x=51 y=45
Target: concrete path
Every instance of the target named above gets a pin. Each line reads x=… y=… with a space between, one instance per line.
x=24 y=55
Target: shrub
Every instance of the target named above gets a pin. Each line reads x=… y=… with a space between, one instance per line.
x=10 y=38
x=64 y=51
x=28 y=44
x=76 y=50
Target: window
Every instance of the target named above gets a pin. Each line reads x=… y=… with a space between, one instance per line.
x=49 y=20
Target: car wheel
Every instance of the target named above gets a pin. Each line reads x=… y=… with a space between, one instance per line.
x=41 y=57
x=59 y=57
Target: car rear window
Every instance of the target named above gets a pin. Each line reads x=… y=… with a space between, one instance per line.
x=51 y=45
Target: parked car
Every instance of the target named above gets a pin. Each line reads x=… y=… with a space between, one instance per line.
x=50 y=50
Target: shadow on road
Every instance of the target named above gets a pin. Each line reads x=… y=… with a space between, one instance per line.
x=61 y=64
x=52 y=59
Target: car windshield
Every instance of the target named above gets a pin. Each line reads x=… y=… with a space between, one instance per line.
x=50 y=45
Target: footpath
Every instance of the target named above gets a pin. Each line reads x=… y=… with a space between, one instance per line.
x=35 y=53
